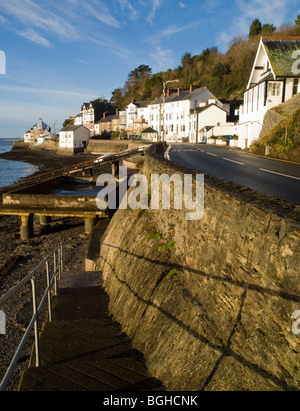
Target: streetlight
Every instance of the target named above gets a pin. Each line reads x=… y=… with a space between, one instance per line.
x=164 y=102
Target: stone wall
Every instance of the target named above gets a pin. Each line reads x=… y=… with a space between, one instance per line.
x=208 y=302
x=111 y=146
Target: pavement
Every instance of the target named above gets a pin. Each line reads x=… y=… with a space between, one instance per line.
x=82 y=348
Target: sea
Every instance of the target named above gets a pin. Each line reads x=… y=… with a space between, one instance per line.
x=12 y=171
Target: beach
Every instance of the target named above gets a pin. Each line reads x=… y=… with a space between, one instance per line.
x=18 y=258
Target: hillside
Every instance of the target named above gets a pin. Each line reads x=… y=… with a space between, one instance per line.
x=224 y=74
x=281 y=131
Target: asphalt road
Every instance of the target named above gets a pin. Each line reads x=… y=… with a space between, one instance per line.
x=279 y=179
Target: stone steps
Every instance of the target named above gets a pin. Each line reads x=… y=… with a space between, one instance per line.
x=83 y=349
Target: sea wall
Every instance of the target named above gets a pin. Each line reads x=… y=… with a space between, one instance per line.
x=111 y=146
x=208 y=302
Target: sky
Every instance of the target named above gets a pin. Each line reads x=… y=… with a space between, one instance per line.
x=57 y=54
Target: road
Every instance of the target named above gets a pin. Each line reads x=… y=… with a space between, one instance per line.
x=277 y=178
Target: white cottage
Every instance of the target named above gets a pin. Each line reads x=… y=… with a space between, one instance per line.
x=274 y=79
x=207 y=121
x=73 y=139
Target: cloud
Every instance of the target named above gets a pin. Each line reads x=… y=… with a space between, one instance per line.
x=30 y=14
x=155 y=5
x=100 y=12
x=126 y=5
x=164 y=58
x=181 y=5
x=170 y=31
x=35 y=38
x=43 y=92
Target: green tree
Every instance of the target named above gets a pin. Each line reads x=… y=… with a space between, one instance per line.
x=117 y=98
x=186 y=59
x=255 y=28
x=297 y=21
x=268 y=29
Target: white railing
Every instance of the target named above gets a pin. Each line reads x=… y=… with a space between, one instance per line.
x=57 y=256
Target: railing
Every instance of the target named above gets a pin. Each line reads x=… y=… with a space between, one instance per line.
x=38 y=178
x=57 y=256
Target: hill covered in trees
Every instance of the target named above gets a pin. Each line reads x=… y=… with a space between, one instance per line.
x=224 y=74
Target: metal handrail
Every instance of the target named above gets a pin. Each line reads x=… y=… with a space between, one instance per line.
x=57 y=269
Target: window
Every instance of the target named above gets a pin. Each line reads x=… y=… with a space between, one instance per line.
x=296 y=86
x=274 y=89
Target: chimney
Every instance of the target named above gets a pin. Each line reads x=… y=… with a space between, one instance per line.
x=40 y=123
x=193 y=87
x=170 y=91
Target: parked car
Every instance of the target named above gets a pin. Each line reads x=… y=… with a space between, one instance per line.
x=228 y=137
x=134 y=137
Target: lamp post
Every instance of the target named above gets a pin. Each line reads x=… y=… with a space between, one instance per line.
x=164 y=102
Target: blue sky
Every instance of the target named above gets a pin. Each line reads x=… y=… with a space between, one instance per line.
x=60 y=54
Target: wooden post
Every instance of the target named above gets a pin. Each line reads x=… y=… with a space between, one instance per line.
x=26 y=229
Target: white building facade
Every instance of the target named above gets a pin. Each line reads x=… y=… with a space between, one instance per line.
x=274 y=79
x=74 y=138
x=171 y=116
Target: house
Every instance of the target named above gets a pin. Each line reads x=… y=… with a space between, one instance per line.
x=274 y=79
x=207 y=121
x=31 y=136
x=171 y=114
x=107 y=124
x=92 y=112
x=137 y=116
x=73 y=139
x=149 y=134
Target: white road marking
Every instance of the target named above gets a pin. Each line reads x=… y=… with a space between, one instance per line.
x=211 y=154
x=167 y=155
x=233 y=161
x=280 y=174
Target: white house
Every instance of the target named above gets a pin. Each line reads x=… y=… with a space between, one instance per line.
x=207 y=121
x=171 y=115
x=274 y=79
x=137 y=116
x=73 y=139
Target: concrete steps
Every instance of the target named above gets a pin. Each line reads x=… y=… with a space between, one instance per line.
x=83 y=349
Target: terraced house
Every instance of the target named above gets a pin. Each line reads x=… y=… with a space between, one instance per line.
x=171 y=115
x=274 y=79
x=92 y=112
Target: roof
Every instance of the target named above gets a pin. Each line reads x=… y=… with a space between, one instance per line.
x=100 y=107
x=280 y=51
x=107 y=119
x=201 y=93
x=199 y=109
x=149 y=130
x=72 y=128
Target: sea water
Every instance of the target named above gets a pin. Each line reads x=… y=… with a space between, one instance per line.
x=12 y=171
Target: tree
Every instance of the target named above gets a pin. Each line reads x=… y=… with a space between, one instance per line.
x=255 y=28
x=268 y=29
x=117 y=98
x=186 y=59
x=297 y=21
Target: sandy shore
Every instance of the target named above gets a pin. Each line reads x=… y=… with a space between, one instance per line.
x=18 y=258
